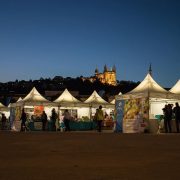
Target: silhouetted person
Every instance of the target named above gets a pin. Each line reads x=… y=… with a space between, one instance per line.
x=67 y=118
x=167 y=110
x=44 y=120
x=176 y=112
x=53 y=119
x=23 y=120
x=99 y=118
x=3 y=120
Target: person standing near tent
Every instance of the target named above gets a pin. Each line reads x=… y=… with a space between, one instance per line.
x=3 y=120
x=167 y=110
x=99 y=118
x=23 y=120
x=54 y=117
x=67 y=118
x=176 y=112
x=44 y=120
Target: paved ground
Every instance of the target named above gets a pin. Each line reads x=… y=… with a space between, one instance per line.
x=88 y=155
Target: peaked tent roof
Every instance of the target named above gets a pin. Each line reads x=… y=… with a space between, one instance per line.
x=20 y=99
x=150 y=88
x=114 y=100
x=95 y=98
x=176 y=88
x=1 y=105
x=33 y=98
x=66 y=97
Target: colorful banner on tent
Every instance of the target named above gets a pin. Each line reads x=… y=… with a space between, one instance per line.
x=135 y=115
x=38 y=110
x=119 y=114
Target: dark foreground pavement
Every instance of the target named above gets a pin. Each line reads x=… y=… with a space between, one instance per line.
x=84 y=156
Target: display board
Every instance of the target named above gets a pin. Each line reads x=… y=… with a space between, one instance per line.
x=38 y=110
x=119 y=113
x=136 y=112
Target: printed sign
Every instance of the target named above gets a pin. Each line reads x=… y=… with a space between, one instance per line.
x=135 y=115
x=119 y=115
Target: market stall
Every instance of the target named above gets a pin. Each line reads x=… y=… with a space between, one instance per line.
x=137 y=110
x=76 y=108
x=94 y=101
x=34 y=104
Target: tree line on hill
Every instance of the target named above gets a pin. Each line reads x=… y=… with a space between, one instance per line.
x=58 y=83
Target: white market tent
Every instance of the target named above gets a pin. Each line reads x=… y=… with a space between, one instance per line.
x=176 y=88
x=67 y=101
x=149 y=88
x=66 y=97
x=156 y=95
x=34 y=98
x=94 y=101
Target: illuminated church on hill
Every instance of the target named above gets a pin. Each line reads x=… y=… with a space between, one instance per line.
x=107 y=77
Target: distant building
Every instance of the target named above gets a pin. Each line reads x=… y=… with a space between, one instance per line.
x=107 y=77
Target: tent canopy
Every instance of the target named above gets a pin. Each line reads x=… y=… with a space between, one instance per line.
x=149 y=88
x=20 y=99
x=32 y=99
x=96 y=99
x=114 y=100
x=176 y=88
x=1 y=105
x=66 y=97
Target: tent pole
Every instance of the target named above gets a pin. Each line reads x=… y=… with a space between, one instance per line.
x=58 y=117
x=90 y=111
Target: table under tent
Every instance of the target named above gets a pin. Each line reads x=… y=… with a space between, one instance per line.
x=139 y=109
x=34 y=104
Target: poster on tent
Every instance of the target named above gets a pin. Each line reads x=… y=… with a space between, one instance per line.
x=38 y=110
x=16 y=115
x=119 y=106
x=135 y=115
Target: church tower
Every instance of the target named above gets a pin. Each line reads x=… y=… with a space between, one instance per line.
x=96 y=71
x=108 y=76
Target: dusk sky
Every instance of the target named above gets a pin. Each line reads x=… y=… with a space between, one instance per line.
x=45 y=38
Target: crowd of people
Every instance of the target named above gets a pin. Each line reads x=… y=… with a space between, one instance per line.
x=169 y=112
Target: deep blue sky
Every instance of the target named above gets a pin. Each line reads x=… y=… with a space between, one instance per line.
x=44 y=38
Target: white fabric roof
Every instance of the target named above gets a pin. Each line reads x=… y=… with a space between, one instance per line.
x=149 y=88
x=34 y=97
x=114 y=100
x=20 y=99
x=176 y=88
x=95 y=98
x=66 y=97
x=1 y=105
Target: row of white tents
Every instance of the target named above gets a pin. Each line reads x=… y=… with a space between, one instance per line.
x=64 y=101
x=35 y=98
